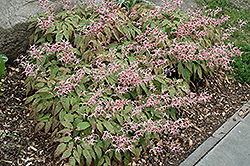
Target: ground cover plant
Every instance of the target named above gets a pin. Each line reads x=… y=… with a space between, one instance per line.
x=239 y=12
x=103 y=78
x=3 y=59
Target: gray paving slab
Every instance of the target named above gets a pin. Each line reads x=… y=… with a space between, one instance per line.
x=226 y=133
x=233 y=150
x=200 y=152
x=246 y=120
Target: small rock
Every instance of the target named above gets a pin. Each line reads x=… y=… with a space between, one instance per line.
x=190 y=142
x=3 y=115
x=241 y=113
x=66 y=164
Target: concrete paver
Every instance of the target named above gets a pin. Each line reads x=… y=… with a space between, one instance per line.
x=228 y=146
x=233 y=150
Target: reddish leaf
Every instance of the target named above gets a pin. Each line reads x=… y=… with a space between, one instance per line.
x=39 y=126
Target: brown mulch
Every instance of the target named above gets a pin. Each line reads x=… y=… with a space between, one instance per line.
x=20 y=146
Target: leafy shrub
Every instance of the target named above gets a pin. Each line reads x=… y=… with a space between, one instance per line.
x=101 y=78
x=3 y=59
x=241 y=64
x=239 y=12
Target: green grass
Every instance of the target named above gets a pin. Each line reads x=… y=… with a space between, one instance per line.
x=237 y=10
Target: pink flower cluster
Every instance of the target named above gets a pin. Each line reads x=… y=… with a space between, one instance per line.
x=62 y=50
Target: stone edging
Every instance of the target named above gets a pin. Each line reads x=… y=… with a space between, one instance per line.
x=218 y=135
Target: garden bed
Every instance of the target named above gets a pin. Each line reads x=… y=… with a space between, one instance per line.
x=21 y=145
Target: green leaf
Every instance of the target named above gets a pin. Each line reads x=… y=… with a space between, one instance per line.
x=59 y=37
x=50 y=30
x=4 y=57
x=189 y=66
x=31 y=98
x=55 y=123
x=87 y=155
x=109 y=127
x=39 y=107
x=101 y=161
x=118 y=156
x=70 y=145
x=186 y=74
x=143 y=143
x=39 y=126
x=171 y=112
x=92 y=153
x=66 y=154
x=107 y=159
x=99 y=126
x=83 y=126
x=41 y=40
x=120 y=119
x=137 y=153
x=45 y=89
x=126 y=162
x=61 y=115
x=165 y=22
x=108 y=32
x=68 y=117
x=60 y=148
x=144 y=88
x=138 y=90
x=161 y=80
x=49 y=38
x=39 y=85
x=76 y=156
x=64 y=139
x=116 y=35
x=48 y=125
x=180 y=69
x=98 y=151
x=65 y=103
x=199 y=71
x=119 y=28
x=45 y=117
x=138 y=31
x=72 y=161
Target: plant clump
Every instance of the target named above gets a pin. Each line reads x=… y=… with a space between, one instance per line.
x=104 y=88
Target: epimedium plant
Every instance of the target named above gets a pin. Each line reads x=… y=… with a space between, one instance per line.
x=100 y=73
